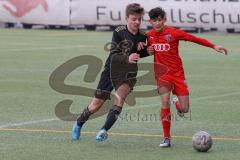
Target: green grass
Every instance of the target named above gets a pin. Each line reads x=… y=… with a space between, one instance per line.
x=27 y=59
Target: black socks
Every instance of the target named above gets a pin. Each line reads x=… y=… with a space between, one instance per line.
x=83 y=117
x=112 y=116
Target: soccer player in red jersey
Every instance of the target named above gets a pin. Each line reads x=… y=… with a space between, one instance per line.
x=165 y=41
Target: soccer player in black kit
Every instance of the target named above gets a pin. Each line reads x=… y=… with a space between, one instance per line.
x=119 y=72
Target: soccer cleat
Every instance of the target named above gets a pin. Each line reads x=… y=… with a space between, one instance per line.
x=76 y=132
x=102 y=135
x=165 y=143
x=177 y=106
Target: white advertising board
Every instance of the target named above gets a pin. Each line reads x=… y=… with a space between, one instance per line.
x=35 y=11
x=184 y=13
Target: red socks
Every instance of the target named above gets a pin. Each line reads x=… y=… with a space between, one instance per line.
x=166 y=122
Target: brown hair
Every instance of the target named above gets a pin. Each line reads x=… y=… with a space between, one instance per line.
x=134 y=8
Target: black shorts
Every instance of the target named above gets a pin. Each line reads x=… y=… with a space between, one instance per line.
x=108 y=83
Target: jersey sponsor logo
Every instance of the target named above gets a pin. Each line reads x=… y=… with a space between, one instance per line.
x=161 y=47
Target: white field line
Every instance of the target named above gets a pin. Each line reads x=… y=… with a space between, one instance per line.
x=27 y=123
x=191 y=99
x=129 y=108
x=49 y=48
x=216 y=96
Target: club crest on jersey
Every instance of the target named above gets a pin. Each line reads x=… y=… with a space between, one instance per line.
x=168 y=37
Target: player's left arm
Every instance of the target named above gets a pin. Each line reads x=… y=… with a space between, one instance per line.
x=145 y=49
x=182 y=35
x=220 y=49
x=142 y=49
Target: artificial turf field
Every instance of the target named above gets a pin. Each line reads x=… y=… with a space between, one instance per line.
x=30 y=129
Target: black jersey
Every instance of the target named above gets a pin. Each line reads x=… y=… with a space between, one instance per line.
x=117 y=68
x=125 y=43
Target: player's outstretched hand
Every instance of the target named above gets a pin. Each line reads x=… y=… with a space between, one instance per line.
x=221 y=49
x=141 y=45
x=133 y=58
x=150 y=50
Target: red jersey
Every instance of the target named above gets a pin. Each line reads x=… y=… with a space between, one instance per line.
x=165 y=43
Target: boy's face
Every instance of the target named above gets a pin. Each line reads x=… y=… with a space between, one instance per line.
x=158 y=23
x=134 y=21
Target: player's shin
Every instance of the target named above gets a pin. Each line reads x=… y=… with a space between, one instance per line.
x=112 y=117
x=165 y=114
x=76 y=129
x=83 y=117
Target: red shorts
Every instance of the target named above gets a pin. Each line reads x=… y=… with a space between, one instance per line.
x=168 y=83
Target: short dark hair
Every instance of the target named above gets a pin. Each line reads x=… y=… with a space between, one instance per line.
x=156 y=13
x=134 y=8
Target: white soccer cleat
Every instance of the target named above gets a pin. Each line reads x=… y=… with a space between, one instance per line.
x=102 y=135
x=165 y=143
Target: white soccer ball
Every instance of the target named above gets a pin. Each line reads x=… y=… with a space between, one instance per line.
x=202 y=141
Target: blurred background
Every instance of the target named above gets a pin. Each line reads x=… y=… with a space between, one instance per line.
x=190 y=15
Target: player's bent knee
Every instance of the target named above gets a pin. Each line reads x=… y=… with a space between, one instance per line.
x=166 y=103
x=102 y=95
x=95 y=105
x=119 y=100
